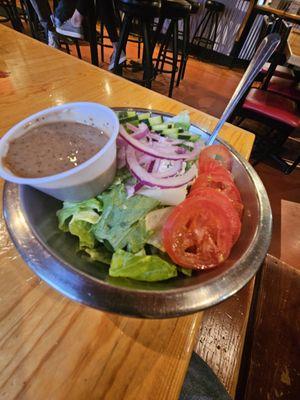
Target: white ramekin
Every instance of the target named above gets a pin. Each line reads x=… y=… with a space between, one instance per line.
x=87 y=179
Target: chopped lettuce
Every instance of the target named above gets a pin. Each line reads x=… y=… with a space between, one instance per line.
x=185 y=271
x=170 y=197
x=71 y=209
x=138 y=236
x=79 y=218
x=83 y=230
x=140 y=267
x=120 y=217
x=100 y=254
x=182 y=120
x=155 y=221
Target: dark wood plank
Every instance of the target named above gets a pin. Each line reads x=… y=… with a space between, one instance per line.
x=221 y=336
x=275 y=356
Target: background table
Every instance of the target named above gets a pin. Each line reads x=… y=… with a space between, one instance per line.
x=52 y=348
x=293 y=48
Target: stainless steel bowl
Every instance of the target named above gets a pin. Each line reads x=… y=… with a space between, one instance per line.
x=51 y=254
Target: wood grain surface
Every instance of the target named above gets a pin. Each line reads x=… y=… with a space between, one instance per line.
x=221 y=336
x=275 y=356
x=52 y=348
x=293 y=48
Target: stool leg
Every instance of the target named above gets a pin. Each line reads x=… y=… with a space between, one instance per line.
x=211 y=31
x=122 y=40
x=216 y=29
x=139 y=42
x=147 y=56
x=102 y=41
x=164 y=43
x=169 y=34
x=92 y=33
x=185 y=43
x=206 y=40
x=175 y=57
x=206 y=16
x=30 y=14
x=188 y=48
x=78 y=48
x=158 y=30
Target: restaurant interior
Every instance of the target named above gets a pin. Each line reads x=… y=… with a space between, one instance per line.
x=153 y=58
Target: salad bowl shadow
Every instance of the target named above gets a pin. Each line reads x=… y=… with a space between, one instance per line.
x=31 y=220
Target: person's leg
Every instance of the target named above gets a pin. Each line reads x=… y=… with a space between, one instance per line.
x=75 y=11
x=107 y=13
x=44 y=12
x=64 y=11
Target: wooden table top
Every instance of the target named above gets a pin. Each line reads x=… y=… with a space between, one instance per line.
x=51 y=347
x=293 y=48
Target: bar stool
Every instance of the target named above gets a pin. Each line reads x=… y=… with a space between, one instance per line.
x=175 y=11
x=213 y=11
x=12 y=14
x=144 y=11
x=194 y=10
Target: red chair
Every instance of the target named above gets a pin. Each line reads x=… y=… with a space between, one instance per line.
x=279 y=114
x=285 y=87
x=274 y=67
x=281 y=71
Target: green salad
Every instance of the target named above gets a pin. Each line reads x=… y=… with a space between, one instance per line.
x=121 y=227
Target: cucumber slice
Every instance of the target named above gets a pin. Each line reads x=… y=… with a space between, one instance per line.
x=185 y=137
x=155 y=120
x=162 y=127
x=122 y=114
x=128 y=119
x=135 y=122
x=144 y=116
x=171 y=131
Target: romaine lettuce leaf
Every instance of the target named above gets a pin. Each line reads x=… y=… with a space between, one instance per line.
x=182 y=120
x=138 y=236
x=83 y=230
x=140 y=267
x=120 y=217
x=100 y=254
x=69 y=209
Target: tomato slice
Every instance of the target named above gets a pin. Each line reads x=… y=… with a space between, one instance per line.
x=211 y=166
x=221 y=183
x=217 y=152
x=225 y=205
x=198 y=234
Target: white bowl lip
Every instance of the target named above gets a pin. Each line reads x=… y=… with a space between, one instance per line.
x=53 y=178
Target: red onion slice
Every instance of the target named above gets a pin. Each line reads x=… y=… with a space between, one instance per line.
x=148 y=179
x=152 y=151
x=172 y=170
x=141 y=132
x=133 y=128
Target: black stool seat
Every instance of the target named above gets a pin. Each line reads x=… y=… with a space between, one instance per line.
x=215 y=6
x=175 y=9
x=195 y=6
x=145 y=8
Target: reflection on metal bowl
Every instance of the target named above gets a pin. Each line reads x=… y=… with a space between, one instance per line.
x=31 y=219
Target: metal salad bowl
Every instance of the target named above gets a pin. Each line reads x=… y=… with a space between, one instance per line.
x=31 y=220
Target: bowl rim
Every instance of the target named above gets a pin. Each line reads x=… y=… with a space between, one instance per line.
x=184 y=300
x=10 y=176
